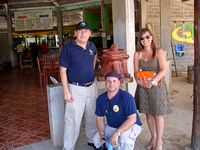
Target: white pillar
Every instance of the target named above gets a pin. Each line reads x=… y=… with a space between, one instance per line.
x=124 y=32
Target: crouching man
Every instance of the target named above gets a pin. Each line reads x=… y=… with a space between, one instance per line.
x=123 y=123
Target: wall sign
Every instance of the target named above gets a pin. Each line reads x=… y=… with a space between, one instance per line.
x=188 y=35
x=33 y=20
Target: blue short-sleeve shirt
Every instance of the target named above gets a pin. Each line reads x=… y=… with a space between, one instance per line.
x=78 y=61
x=116 y=109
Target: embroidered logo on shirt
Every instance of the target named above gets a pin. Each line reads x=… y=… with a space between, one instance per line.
x=115 y=108
x=91 y=52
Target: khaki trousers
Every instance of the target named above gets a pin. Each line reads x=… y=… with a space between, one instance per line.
x=84 y=103
x=126 y=140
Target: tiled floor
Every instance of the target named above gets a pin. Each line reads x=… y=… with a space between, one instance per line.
x=23 y=109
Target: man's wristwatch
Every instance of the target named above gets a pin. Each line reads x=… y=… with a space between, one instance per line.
x=118 y=133
x=153 y=82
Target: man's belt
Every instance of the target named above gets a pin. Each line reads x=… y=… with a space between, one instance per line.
x=81 y=84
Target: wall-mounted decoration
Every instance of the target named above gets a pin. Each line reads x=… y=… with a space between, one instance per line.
x=33 y=20
x=188 y=35
x=179 y=50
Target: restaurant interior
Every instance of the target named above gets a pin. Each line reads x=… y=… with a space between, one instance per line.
x=23 y=96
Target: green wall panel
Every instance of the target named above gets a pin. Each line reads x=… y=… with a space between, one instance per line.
x=94 y=20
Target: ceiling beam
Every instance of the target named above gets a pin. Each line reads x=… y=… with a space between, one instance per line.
x=31 y=8
x=56 y=4
x=79 y=3
x=27 y=2
x=6 y=10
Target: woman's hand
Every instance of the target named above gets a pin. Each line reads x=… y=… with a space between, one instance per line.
x=147 y=84
x=140 y=82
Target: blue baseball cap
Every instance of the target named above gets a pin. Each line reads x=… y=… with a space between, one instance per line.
x=82 y=25
x=112 y=74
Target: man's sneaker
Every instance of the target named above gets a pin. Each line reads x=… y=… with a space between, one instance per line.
x=92 y=145
x=101 y=148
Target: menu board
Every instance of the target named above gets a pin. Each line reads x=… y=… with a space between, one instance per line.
x=33 y=20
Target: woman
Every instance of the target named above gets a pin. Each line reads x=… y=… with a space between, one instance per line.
x=152 y=100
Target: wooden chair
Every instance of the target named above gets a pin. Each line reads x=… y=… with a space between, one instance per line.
x=24 y=64
x=40 y=63
x=51 y=68
x=2 y=64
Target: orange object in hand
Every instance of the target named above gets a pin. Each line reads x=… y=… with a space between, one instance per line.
x=147 y=75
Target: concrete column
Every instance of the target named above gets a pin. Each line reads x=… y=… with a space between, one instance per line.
x=60 y=29
x=143 y=13
x=165 y=35
x=10 y=39
x=124 y=32
x=165 y=26
x=103 y=25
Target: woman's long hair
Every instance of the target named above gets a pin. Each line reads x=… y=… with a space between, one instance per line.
x=140 y=46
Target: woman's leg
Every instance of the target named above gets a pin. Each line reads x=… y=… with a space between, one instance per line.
x=159 y=121
x=152 y=128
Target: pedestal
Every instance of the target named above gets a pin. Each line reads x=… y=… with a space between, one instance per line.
x=123 y=80
x=56 y=107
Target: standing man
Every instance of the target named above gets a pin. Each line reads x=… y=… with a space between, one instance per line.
x=34 y=53
x=20 y=48
x=123 y=123
x=77 y=63
x=44 y=47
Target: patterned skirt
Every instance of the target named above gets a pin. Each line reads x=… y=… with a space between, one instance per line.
x=153 y=101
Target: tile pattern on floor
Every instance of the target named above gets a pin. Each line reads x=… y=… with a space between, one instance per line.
x=23 y=109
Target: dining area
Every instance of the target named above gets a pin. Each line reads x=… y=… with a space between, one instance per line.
x=23 y=108
x=48 y=69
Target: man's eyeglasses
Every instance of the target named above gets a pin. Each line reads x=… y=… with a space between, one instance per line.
x=81 y=32
x=146 y=36
x=109 y=107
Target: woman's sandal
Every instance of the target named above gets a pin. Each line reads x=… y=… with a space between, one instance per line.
x=159 y=148
x=151 y=145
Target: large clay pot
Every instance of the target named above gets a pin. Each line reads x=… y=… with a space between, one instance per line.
x=114 y=59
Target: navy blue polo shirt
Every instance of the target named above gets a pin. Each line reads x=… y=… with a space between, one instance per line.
x=117 y=109
x=78 y=61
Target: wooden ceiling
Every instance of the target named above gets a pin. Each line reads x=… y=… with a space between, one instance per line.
x=34 y=4
x=67 y=5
